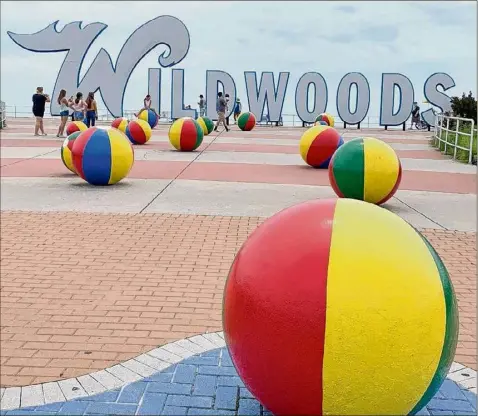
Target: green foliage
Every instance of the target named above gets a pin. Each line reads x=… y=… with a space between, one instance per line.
x=465 y=106
x=461 y=140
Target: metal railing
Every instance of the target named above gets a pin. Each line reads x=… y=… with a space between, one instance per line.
x=288 y=120
x=452 y=134
x=3 y=114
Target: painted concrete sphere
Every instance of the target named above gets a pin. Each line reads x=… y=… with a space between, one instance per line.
x=367 y=169
x=75 y=126
x=340 y=307
x=185 y=134
x=246 y=121
x=150 y=117
x=326 y=118
x=65 y=152
x=102 y=157
x=120 y=123
x=138 y=131
x=206 y=124
x=318 y=144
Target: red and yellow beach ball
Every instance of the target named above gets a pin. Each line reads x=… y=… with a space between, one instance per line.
x=206 y=124
x=65 y=152
x=186 y=134
x=138 y=131
x=365 y=168
x=340 y=307
x=102 y=157
x=75 y=126
x=120 y=123
x=318 y=144
x=326 y=118
x=246 y=121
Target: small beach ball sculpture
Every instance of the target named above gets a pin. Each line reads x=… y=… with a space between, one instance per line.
x=75 y=126
x=185 y=134
x=66 y=147
x=120 y=123
x=246 y=121
x=206 y=124
x=318 y=144
x=326 y=118
x=367 y=169
x=102 y=157
x=340 y=307
x=138 y=131
x=150 y=117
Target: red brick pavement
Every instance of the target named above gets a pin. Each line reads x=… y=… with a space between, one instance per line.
x=81 y=292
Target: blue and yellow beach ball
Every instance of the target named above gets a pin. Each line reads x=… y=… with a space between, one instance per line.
x=365 y=168
x=150 y=117
x=340 y=307
x=102 y=157
x=120 y=123
x=66 y=148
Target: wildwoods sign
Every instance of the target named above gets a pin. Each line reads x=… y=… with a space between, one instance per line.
x=112 y=80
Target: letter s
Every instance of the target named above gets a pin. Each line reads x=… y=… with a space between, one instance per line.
x=435 y=97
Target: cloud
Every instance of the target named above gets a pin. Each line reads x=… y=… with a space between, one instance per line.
x=346 y=9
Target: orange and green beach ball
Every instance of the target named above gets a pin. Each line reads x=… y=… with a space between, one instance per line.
x=65 y=152
x=326 y=118
x=365 y=168
x=185 y=134
x=340 y=307
x=318 y=144
x=246 y=121
x=206 y=124
x=75 y=126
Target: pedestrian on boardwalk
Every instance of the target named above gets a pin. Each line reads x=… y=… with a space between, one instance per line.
x=202 y=106
x=221 y=111
x=78 y=107
x=64 y=112
x=415 y=115
x=237 y=109
x=227 y=109
x=39 y=99
x=91 y=110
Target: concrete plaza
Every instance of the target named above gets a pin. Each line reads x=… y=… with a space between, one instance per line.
x=101 y=278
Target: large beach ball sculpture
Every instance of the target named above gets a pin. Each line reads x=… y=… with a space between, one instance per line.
x=150 y=117
x=206 y=124
x=367 y=169
x=65 y=152
x=326 y=118
x=340 y=307
x=318 y=144
x=102 y=157
x=186 y=134
x=75 y=126
x=138 y=131
x=120 y=123
x=246 y=121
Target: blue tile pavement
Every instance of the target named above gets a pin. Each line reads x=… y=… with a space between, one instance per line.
x=207 y=384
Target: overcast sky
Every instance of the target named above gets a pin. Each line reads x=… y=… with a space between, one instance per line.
x=333 y=38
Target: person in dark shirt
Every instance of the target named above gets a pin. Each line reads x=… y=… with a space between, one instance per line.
x=221 y=106
x=39 y=99
x=415 y=115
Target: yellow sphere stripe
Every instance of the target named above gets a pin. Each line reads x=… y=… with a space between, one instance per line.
x=175 y=133
x=122 y=156
x=380 y=173
x=306 y=140
x=386 y=255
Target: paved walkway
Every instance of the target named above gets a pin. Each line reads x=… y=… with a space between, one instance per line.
x=94 y=277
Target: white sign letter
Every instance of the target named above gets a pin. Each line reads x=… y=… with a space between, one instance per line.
x=435 y=97
x=302 y=96
x=362 y=99
x=389 y=117
x=177 y=96
x=213 y=79
x=267 y=92
x=154 y=88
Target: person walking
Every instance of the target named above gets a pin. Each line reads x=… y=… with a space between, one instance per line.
x=227 y=109
x=221 y=111
x=237 y=109
x=39 y=99
x=64 y=112
x=91 y=110
x=415 y=115
x=202 y=106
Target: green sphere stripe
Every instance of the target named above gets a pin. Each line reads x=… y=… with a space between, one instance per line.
x=451 y=331
x=242 y=120
x=199 y=133
x=348 y=169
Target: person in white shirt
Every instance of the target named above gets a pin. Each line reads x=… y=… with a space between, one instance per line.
x=147 y=106
x=79 y=107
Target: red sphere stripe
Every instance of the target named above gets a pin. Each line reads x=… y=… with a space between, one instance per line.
x=322 y=147
x=80 y=144
x=395 y=187
x=137 y=132
x=251 y=122
x=292 y=394
x=188 y=135
x=333 y=183
x=116 y=123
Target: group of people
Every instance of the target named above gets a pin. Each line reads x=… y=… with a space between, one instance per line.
x=81 y=110
x=222 y=107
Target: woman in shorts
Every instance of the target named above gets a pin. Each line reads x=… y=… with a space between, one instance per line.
x=78 y=107
x=64 y=112
x=39 y=100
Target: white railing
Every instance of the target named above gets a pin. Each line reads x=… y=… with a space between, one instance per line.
x=452 y=134
x=290 y=120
